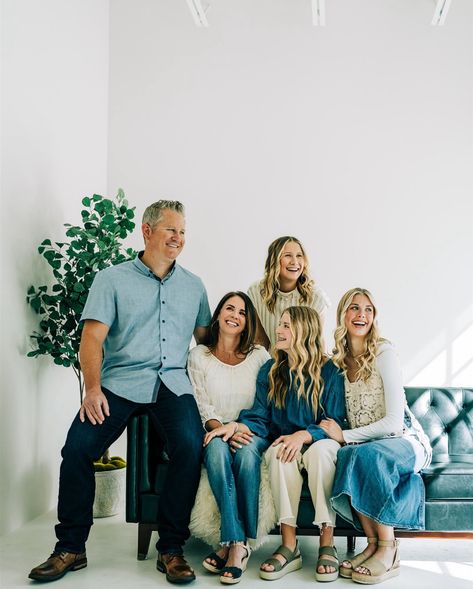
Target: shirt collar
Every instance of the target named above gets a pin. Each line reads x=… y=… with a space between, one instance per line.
x=143 y=268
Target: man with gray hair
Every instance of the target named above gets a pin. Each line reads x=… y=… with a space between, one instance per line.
x=138 y=323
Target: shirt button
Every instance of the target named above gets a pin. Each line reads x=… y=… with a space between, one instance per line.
x=164 y=320
x=163 y=302
x=164 y=339
x=164 y=357
x=160 y=374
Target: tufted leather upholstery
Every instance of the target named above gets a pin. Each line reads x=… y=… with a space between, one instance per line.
x=446 y=414
x=447 y=418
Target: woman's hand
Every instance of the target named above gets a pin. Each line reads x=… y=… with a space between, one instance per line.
x=291 y=445
x=238 y=432
x=224 y=431
x=242 y=437
x=332 y=429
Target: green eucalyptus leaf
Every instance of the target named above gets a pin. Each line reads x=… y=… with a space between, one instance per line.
x=36 y=304
x=109 y=220
x=86 y=201
x=72 y=232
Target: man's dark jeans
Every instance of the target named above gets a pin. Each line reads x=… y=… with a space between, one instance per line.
x=178 y=422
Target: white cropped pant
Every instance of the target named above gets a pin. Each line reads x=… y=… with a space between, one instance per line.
x=319 y=460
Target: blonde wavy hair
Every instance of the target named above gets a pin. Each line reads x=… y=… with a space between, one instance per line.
x=270 y=284
x=366 y=362
x=301 y=366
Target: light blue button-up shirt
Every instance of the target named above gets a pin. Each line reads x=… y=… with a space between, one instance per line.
x=151 y=324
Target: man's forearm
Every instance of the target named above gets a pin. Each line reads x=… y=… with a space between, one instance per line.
x=91 y=358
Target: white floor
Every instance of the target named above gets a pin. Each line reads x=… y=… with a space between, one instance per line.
x=112 y=561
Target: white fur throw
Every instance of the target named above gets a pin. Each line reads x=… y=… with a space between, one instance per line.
x=205 y=517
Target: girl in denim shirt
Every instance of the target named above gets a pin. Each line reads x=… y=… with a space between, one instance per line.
x=293 y=393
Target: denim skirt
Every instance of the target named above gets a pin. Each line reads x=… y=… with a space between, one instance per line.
x=378 y=480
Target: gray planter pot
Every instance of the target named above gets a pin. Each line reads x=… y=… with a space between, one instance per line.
x=109 y=492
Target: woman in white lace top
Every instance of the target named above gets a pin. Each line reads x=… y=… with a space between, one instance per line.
x=377 y=485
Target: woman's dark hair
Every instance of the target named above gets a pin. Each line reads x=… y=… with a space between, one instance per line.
x=248 y=335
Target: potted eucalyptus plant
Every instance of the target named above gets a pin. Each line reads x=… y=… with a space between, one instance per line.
x=91 y=246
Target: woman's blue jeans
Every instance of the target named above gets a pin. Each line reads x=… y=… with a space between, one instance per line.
x=234 y=478
x=178 y=421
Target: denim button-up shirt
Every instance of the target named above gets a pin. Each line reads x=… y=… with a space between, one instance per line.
x=267 y=421
x=151 y=324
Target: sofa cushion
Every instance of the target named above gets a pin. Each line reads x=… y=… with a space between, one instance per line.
x=448 y=481
x=449 y=516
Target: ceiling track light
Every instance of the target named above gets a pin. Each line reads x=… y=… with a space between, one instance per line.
x=198 y=13
x=318 y=13
x=440 y=13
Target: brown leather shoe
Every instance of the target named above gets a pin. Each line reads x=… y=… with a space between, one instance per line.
x=57 y=565
x=176 y=568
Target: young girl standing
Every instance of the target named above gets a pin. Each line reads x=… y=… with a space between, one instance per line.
x=286 y=283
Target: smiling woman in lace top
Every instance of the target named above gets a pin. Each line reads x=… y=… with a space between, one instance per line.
x=377 y=485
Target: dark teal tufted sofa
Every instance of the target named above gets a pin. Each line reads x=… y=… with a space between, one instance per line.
x=446 y=415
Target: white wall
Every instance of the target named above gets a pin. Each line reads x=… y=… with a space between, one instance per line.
x=54 y=151
x=355 y=137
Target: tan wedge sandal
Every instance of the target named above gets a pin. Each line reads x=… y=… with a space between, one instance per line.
x=377 y=570
x=358 y=559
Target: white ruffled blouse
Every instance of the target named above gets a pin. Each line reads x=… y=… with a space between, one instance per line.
x=222 y=390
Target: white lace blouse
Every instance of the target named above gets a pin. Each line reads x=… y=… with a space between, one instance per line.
x=375 y=407
x=222 y=390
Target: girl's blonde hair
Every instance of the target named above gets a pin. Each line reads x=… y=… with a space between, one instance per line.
x=270 y=283
x=366 y=362
x=301 y=366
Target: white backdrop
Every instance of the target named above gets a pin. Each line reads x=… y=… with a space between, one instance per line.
x=54 y=67
x=356 y=137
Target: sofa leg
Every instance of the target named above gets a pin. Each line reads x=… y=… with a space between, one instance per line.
x=144 y=538
x=351 y=542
